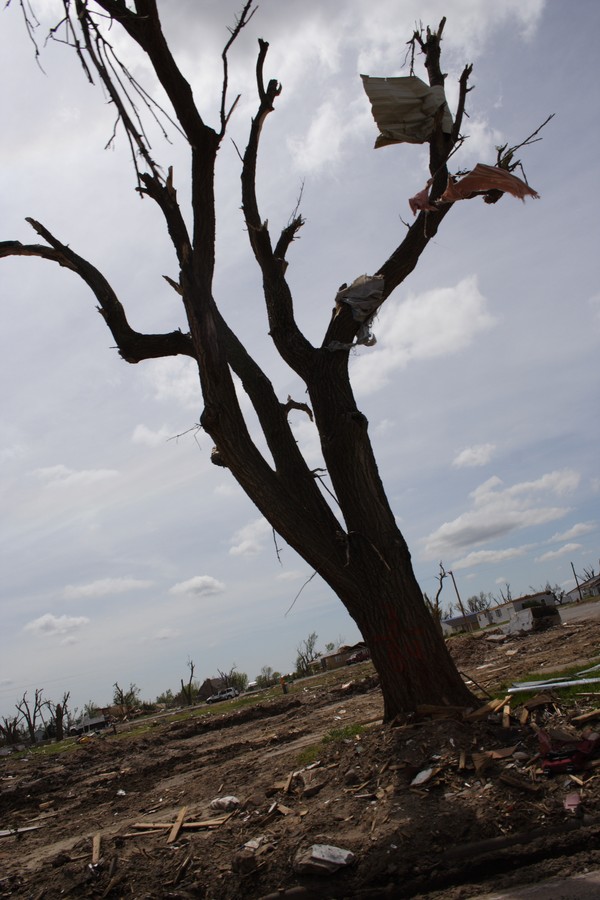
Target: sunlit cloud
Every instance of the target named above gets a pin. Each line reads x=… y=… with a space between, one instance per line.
x=166 y=634
x=52 y=625
x=144 y=435
x=497 y=510
x=199 y=585
x=556 y=554
x=489 y=557
x=105 y=587
x=441 y=322
x=174 y=379
x=250 y=540
x=61 y=476
x=477 y=455
x=576 y=531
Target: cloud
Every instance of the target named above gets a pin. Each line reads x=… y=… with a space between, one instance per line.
x=175 y=380
x=199 y=585
x=291 y=575
x=489 y=557
x=436 y=323
x=576 y=531
x=144 y=435
x=249 y=540
x=496 y=511
x=166 y=634
x=328 y=133
x=104 y=587
x=56 y=625
x=555 y=554
x=477 y=455
x=61 y=476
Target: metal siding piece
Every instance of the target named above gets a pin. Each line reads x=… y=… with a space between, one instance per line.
x=404 y=109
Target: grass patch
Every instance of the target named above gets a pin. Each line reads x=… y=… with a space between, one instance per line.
x=335 y=736
x=347 y=732
x=309 y=755
x=568 y=693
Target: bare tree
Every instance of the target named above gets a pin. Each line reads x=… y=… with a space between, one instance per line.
x=505 y=595
x=60 y=714
x=233 y=678
x=186 y=689
x=306 y=653
x=32 y=712
x=434 y=606
x=9 y=729
x=126 y=700
x=352 y=541
x=479 y=602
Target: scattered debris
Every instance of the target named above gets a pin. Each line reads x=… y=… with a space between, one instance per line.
x=485 y=178
x=322 y=859
x=425 y=776
x=226 y=803
x=405 y=109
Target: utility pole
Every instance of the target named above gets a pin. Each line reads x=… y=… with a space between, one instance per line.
x=460 y=603
x=577 y=582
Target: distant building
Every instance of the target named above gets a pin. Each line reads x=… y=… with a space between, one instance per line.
x=459 y=624
x=339 y=657
x=508 y=616
x=504 y=611
x=589 y=588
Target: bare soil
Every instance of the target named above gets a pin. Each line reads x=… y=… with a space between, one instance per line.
x=461 y=832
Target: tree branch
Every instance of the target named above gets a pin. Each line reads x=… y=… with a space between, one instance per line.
x=132 y=345
x=289 y=340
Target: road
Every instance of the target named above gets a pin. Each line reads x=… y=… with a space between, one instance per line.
x=577 y=611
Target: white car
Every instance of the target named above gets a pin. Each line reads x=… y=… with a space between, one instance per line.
x=225 y=694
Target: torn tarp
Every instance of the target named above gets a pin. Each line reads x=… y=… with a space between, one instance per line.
x=421 y=201
x=364 y=297
x=404 y=109
x=487 y=178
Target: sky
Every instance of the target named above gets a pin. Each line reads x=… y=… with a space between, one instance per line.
x=123 y=551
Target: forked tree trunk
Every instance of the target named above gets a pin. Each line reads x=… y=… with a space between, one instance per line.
x=353 y=543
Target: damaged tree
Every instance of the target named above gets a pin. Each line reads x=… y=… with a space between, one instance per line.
x=356 y=546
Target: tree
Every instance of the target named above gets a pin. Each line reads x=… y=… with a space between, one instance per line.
x=479 y=602
x=32 y=712
x=307 y=653
x=167 y=698
x=126 y=700
x=266 y=677
x=186 y=689
x=9 y=729
x=234 y=679
x=353 y=543
x=60 y=714
x=91 y=709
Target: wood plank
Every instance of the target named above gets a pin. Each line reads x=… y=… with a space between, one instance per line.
x=529 y=786
x=491 y=707
x=288 y=783
x=96 y=849
x=174 y=834
x=586 y=717
x=506 y=716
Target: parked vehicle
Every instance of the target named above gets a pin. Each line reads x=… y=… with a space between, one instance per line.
x=225 y=694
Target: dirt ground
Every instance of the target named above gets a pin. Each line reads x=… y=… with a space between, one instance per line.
x=431 y=808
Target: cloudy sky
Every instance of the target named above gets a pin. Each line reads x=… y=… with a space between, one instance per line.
x=123 y=551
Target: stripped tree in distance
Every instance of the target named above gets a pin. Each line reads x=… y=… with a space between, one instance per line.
x=352 y=541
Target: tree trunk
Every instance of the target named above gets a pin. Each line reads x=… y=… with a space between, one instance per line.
x=407 y=650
